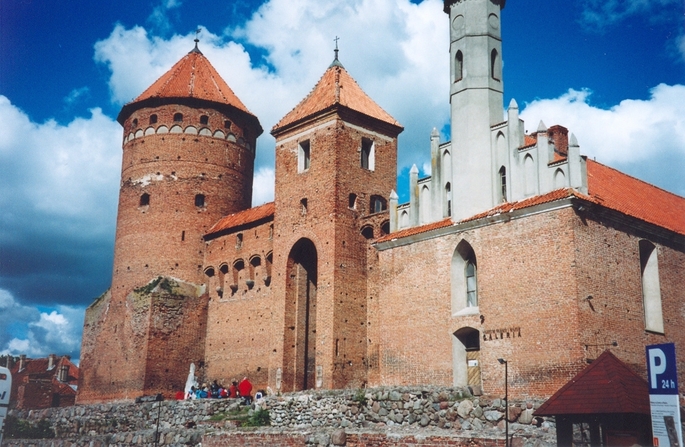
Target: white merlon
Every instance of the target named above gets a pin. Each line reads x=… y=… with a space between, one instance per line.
x=393 y=211
x=414 y=196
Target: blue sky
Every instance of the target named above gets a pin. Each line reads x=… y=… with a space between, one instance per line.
x=611 y=71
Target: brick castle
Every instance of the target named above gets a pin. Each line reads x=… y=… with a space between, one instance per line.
x=517 y=247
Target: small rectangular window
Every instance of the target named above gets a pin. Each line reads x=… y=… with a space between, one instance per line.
x=368 y=154
x=303 y=156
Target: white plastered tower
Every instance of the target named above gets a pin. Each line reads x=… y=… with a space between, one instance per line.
x=476 y=99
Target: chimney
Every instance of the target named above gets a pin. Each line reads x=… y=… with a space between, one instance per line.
x=558 y=135
x=51 y=361
x=22 y=362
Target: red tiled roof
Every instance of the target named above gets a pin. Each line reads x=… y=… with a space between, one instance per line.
x=243 y=217
x=336 y=87
x=416 y=230
x=621 y=192
x=531 y=201
x=193 y=77
x=607 y=385
x=530 y=140
x=607 y=187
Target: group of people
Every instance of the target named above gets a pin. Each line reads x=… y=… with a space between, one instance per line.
x=217 y=391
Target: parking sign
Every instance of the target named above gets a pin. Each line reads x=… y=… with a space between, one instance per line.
x=663 y=395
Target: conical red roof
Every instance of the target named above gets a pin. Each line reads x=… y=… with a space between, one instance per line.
x=191 y=77
x=336 y=87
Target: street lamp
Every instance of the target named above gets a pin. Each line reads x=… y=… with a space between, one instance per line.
x=506 y=400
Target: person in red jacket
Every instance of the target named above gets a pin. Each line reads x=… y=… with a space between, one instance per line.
x=233 y=390
x=245 y=388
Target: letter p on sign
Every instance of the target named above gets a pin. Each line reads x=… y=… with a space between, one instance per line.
x=657 y=366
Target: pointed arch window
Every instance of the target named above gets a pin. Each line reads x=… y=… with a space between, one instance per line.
x=448 y=199
x=464 y=276
x=458 y=66
x=495 y=65
x=503 y=184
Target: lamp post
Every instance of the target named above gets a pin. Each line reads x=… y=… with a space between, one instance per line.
x=506 y=400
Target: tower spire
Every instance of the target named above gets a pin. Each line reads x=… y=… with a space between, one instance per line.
x=197 y=40
x=336 y=62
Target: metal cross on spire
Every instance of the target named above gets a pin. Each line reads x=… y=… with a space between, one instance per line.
x=336 y=62
x=197 y=40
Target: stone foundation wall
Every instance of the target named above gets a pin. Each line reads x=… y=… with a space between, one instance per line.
x=376 y=417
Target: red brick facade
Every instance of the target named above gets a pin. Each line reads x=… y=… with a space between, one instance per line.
x=311 y=292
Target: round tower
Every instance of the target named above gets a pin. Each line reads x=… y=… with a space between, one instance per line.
x=188 y=160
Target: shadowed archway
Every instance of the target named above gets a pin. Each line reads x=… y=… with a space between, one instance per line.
x=299 y=362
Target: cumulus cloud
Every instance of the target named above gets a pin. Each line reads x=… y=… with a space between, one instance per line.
x=637 y=136
x=387 y=46
x=36 y=333
x=58 y=193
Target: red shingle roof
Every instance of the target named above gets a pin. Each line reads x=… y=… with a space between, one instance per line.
x=336 y=87
x=243 y=218
x=416 y=230
x=621 y=192
x=606 y=187
x=193 y=77
x=607 y=385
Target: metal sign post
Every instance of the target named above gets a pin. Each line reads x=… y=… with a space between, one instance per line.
x=663 y=395
x=5 y=389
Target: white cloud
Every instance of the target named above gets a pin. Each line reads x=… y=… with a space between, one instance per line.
x=388 y=46
x=38 y=334
x=263 y=186
x=56 y=176
x=631 y=135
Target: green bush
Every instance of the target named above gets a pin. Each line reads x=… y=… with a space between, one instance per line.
x=22 y=429
x=259 y=418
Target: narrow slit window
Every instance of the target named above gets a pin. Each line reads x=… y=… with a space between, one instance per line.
x=368 y=154
x=303 y=156
x=200 y=200
x=503 y=184
x=303 y=206
x=239 y=240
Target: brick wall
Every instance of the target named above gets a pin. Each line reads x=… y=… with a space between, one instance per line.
x=240 y=318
